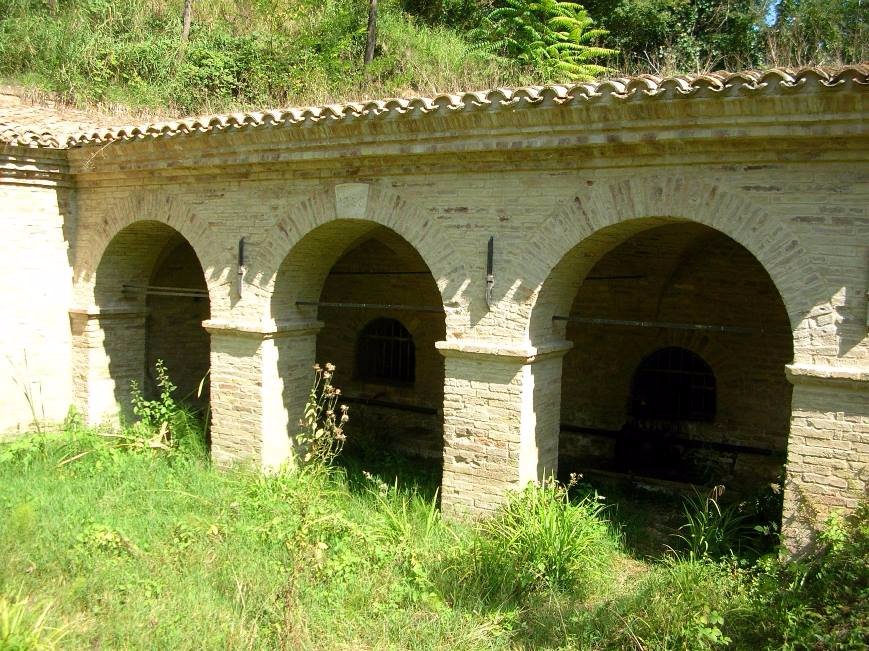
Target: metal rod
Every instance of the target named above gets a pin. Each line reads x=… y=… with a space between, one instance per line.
x=660 y=324
x=681 y=440
x=376 y=306
x=155 y=290
x=490 y=272
x=379 y=273
x=388 y=404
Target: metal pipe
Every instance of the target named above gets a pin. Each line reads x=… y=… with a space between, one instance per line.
x=389 y=404
x=380 y=273
x=374 y=306
x=660 y=324
x=718 y=446
x=156 y=290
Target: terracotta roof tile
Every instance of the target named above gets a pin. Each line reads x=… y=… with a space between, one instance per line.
x=643 y=88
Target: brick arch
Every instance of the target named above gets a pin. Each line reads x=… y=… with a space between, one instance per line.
x=575 y=237
x=314 y=234
x=96 y=238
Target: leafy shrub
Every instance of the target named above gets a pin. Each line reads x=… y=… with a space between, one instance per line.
x=820 y=601
x=163 y=422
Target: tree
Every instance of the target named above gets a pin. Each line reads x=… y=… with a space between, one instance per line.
x=552 y=36
x=819 y=31
x=670 y=36
x=371 y=41
x=186 y=18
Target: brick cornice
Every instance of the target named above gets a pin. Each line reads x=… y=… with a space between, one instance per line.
x=494 y=352
x=834 y=377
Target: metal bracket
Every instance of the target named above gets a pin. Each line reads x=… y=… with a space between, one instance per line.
x=490 y=275
x=241 y=268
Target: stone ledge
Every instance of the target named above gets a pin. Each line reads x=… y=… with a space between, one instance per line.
x=263 y=329
x=96 y=312
x=839 y=377
x=517 y=354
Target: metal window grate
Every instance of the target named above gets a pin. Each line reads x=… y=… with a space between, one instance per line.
x=673 y=384
x=385 y=353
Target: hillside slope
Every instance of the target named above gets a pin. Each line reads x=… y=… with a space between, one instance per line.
x=260 y=53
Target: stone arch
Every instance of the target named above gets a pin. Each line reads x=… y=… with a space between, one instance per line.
x=675 y=284
x=579 y=234
x=94 y=240
x=127 y=324
x=345 y=213
x=309 y=332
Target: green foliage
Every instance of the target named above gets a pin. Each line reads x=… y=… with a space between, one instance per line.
x=23 y=625
x=821 y=600
x=553 y=37
x=134 y=546
x=712 y=530
x=459 y=14
x=667 y=36
x=541 y=540
x=322 y=437
x=819 y=31
x=266 y=52
x=163 y=423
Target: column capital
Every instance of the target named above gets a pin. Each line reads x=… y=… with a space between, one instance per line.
x=266 y=329
x=836 y=377
x=109 y=312
x=523 y=353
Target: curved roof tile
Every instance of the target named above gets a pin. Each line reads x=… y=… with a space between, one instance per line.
x=642 y=87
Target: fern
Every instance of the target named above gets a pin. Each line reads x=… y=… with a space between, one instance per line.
x=555 y=38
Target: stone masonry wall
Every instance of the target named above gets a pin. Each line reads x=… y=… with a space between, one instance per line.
x=556 y=186
x=38 y=227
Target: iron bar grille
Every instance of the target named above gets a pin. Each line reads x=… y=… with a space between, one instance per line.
x=673 y=384
x=385 y=353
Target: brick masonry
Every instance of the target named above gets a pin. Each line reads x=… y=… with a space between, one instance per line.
x=775 y=183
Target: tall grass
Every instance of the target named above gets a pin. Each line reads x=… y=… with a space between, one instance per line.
x=239 y=54
x=142 y=546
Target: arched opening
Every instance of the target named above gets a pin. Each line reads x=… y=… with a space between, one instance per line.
x=673 y=384
x=385 y=353
x=677 y=372
x=151 y=299
x=379 y=314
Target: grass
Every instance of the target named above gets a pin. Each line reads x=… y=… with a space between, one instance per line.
x=109 y=545
x=126 y=56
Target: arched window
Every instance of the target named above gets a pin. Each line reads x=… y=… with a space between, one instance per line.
x=673 y=384
x=385 y=353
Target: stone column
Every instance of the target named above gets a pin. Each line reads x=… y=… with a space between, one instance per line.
x=260 y=378
x=502 y=409
x=108 y=353
x=828 y=448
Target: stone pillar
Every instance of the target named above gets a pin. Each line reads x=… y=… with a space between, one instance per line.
x=108 y=353
x=260 y=378
x=828 y=448
x=502 y=409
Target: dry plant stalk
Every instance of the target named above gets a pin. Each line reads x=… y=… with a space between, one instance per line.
x=322 y=437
